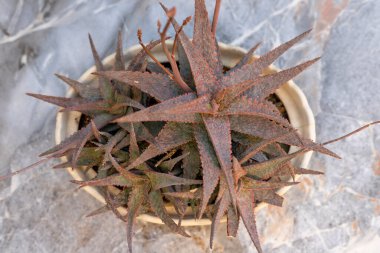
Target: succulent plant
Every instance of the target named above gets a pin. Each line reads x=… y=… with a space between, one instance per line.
x=188 y=132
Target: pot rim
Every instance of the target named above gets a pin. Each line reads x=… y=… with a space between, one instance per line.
x=300 y=115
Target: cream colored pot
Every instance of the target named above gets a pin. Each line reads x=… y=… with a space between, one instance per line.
x=297 y=107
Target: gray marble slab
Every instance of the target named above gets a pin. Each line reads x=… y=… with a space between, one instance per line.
x=40 y=211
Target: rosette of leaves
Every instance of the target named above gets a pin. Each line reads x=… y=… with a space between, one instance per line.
x=186 y=132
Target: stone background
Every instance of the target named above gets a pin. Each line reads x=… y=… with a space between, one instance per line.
x=40 y=211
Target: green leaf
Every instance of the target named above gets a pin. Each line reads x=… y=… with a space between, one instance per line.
x=171 y=136
x=136 y=199
x=86 y=90
x=161 y=180
x=191 y=163
x=258 y=185
x=169 y=164
x=270 y=197
x=89 y=156
x=193 y=195
x=267 y=169
x=108 y=181
x=106 y=89
x=142 y=132
x=135 y=179
x=119 y=56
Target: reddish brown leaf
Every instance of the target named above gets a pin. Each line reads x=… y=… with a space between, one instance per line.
x=201 y=104
x=219 y=132
x=137 y=62
x=95 y=131
x=245 y=60
x=262 y=86
x=24 y=169
x=180 y=205
x=158 y=112
x=232 y=222
x=98 y=211
x=246 y=206
x=210 y=165
x=250 y=71
x=302 y=171
x=266 y=129
x=204 y=78
x=203 y=38
x=248 y=107
x=60 y=101
x=238 y=171
x=221 y=208
x=74 y=140
x=270 y=83
x=113 y=206
x=112 y=141
x=252 y=150
x=159 y=86
x=158 y=206
x=184 y=67
x=270 y=197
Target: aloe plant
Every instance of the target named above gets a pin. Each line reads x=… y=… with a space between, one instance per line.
x=189 y=133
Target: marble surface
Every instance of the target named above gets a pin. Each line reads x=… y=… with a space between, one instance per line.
x=40 y=211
